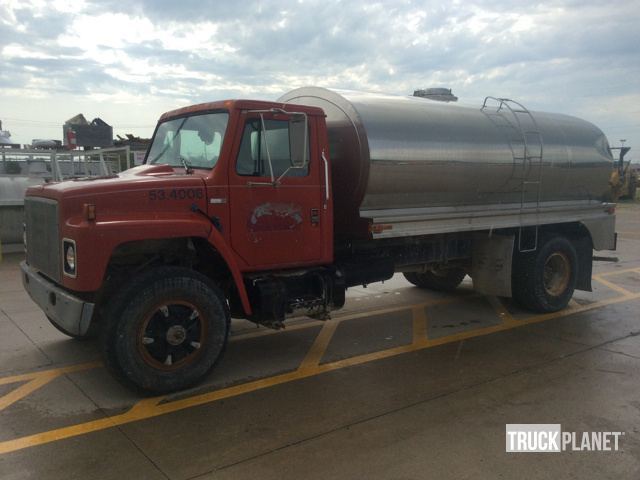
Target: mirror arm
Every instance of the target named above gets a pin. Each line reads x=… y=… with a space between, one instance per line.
x=266 y=147
x=279 y=179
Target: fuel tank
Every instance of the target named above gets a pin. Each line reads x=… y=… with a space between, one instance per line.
x=395 y=152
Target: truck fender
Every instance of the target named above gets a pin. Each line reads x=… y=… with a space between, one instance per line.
x=217 y=241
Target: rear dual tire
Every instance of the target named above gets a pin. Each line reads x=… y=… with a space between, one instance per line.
x=544 y=280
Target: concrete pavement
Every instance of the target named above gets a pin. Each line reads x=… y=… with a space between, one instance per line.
x=401 y=384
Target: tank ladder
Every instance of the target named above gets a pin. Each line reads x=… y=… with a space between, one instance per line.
x=527 y=148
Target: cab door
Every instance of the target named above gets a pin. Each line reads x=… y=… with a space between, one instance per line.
x=278 y=211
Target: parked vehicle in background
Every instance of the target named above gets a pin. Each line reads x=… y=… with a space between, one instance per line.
x=624 y=179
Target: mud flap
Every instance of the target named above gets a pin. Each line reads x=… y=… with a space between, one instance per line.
x=584 y=250
x=491 y=264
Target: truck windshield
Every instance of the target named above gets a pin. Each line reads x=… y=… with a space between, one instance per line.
x=193 y=141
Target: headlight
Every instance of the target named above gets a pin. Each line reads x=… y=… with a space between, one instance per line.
x=70 y=258
x=69 y=252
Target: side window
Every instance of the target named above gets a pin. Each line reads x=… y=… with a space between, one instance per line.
x=253 y=158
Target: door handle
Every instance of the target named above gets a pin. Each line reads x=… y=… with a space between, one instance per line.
x=315 y=217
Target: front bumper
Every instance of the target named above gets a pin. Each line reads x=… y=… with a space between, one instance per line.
x=68 y=312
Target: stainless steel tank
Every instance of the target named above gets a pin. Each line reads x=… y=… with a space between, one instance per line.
x=394 y=152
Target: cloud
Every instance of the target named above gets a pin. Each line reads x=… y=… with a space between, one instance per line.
x=577 y=57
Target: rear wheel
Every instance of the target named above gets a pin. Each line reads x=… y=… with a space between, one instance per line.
x=443 y=280
x=166 y=330
x=544 y=280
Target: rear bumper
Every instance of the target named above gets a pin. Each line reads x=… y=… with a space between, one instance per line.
x=70 y=313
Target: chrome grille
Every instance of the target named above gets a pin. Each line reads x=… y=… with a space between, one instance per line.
x=43 y=241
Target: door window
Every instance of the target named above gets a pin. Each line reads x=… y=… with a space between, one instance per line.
x=258 y=146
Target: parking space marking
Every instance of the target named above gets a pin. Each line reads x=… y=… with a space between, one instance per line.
x=153 y=407
x=315 y=353
x=419 y=325
x=25 y=389
x=502 y=312
x=617 y=272
x=36 y=380
x=263 y=331
x=612 y=285
x=573 y=303
x=60 y=371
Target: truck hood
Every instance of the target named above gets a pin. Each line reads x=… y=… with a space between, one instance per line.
x=143 y=176
x=144 y=190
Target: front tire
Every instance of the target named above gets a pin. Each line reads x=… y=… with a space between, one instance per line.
x=544 y=280
x=165 y=331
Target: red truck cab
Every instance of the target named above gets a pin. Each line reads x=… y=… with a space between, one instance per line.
x=228 y=188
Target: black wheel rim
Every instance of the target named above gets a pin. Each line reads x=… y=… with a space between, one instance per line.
x=172 y=335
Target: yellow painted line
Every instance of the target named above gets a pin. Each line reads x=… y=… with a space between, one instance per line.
x=265 y=331
x=315 y=353
x=573 y=304
x=260 y=332
x=73 y=431
x=612 y=286
x=573 y=307
x=419 y=325
x=629 y=236
x=36 y=380
x=25 y=389
x=469 y=334
x=502 y=312
x=154 y=407
x=617 y=272
x=309 y=366
x=58 y=371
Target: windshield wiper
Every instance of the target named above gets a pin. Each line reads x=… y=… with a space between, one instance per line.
x=187 y=168
x=168 y=145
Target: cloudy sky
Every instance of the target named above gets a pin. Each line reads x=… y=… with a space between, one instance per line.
x=129 y=61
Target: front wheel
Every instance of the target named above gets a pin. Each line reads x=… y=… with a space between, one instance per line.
x=544 y=280
x=165 y=330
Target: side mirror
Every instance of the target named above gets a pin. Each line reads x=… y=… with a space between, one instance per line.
x=299 y=140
